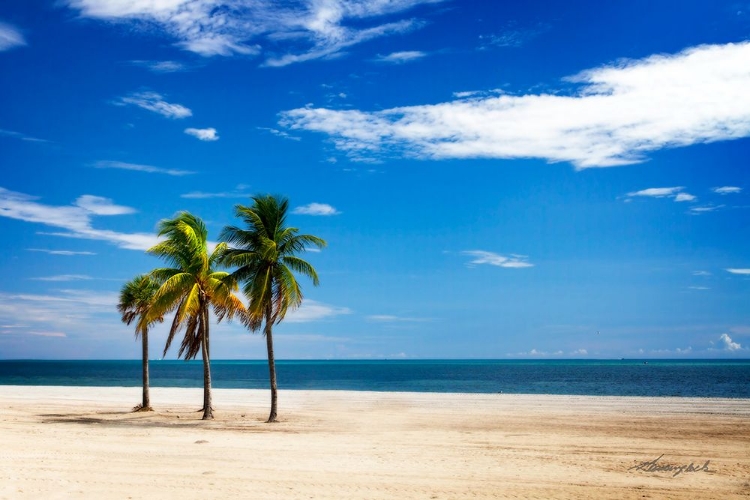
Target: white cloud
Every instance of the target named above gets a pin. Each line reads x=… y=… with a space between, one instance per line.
x=698 y=288
x=311 y=310
x=47 y=334
x=161 y=66
x=101 y=206
x=204 y=134
x=536 y=353
x=10 y=37
x=64 y=277
x=141 y=168
x=666 y=192
x=579 y=352
x=316 y=209
x=729 y=344
x=662 y=352
x=739 y=271
x=684 y=197
x=332 y=38
x=705 y=209
x=726 y=190
x=74 y=219
x=621 y=113
x=61 y=252
x=153 y=101
x=309 y=29
x=493 y=259
x=657 y=192
x=128 y=241
x=402 y=57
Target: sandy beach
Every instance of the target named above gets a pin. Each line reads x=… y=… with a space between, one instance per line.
x=84 y=442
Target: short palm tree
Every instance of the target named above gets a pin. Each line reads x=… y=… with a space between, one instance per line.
x=264 y=255
x=191 y=287
x=136 y=297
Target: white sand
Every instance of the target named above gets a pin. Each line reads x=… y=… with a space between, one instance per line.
x=83 y=442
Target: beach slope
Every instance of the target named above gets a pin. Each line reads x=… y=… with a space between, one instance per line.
x=83 y=442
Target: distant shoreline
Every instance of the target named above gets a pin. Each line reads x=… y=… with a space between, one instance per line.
x=683 y=378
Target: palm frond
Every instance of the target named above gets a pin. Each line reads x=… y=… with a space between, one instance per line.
x=301 y=266
x=263 y=254
x=136 y=300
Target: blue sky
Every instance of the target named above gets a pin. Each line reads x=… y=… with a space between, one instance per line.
x=494 y=179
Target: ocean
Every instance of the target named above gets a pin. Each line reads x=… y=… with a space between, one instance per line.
x=687 y=378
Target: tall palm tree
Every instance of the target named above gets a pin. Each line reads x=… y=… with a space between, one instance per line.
x=191 y=287
x=136 y=297
x=264 y=255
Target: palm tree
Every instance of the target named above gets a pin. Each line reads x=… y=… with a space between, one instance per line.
x=264 y=255
x=135 y=302
x=190 y=287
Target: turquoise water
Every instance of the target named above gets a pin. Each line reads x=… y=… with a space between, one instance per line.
x=697 y=378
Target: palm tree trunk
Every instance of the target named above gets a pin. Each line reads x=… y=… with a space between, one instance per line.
x=146 y=403
x=271 y=366
x=207 y=410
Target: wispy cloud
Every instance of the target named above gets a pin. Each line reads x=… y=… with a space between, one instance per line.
x=621 y=113
x=512 y=36
x=670 y=352
x=726 y=190
x=204 y=134
x=141 y=168
x=493 y=259
x=48 y=314
x=537 y=353
x=739 y=271
x=161 y=66
x=666 y=192
x=279 y=133
x=101 y=206
x=657 y=192
x=701 y=273
x=684 y=197
x=74 y=219
x=64 y=277
x=19 y=135
x=153 y=101
x=240 y=192
x=10 y=37
x=308 y=30
x=705 y=209
x=388 y=318
x=401 y=57
x=316 y=209
x=61 y=252
x=311 y=310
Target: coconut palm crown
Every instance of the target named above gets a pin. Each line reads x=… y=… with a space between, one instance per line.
x=136 y=297
x=190 y=287
x=264 y=255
